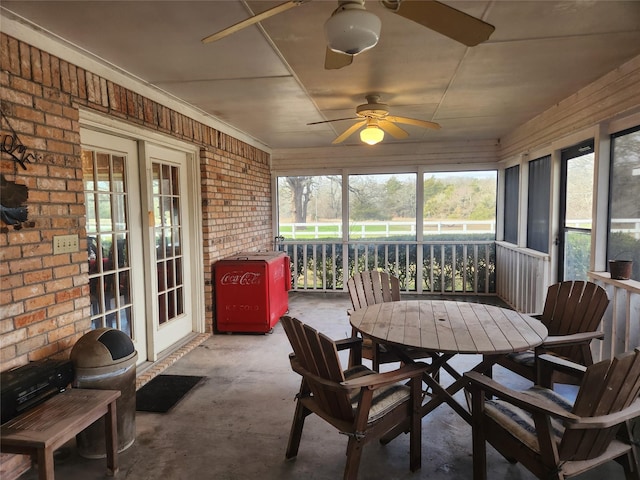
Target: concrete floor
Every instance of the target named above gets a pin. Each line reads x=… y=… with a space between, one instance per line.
x=234 y=425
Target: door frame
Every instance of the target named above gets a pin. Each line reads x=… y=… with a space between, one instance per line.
x=94 y=121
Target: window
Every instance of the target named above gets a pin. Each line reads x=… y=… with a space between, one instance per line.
x=624 y=204
x=460 y=205
x=310 y=207
x=511 y=203
x=538 y=204
x=382 y=207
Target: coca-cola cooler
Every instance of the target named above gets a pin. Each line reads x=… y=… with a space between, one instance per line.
x=251 y=291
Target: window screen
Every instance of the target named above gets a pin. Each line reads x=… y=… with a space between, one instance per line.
x=538 y=205
x=511 y=181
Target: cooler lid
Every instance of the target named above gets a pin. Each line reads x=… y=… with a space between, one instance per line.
x=254 y=256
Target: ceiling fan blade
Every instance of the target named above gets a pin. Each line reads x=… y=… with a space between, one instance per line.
x=334 y=120
x=349 y=131
x=391 y=129
x=335 y=60
x=413 y=121
x=283 y=7
x=443 y=19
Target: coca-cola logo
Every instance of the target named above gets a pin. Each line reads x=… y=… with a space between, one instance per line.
x=241 y=278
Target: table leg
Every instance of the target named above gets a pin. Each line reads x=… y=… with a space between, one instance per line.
x=446 y=394
x=111 y=438
x=45 y=464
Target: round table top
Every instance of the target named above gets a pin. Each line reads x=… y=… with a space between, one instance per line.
x=449 y=327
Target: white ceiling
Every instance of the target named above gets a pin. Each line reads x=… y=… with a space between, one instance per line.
x=269 y=81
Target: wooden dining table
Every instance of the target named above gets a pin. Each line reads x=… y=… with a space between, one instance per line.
x=444 y=329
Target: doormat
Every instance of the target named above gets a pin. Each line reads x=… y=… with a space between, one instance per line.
x=163 y=392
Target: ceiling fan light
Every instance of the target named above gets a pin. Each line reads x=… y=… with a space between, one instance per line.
x=352 y=30
x=371 y=135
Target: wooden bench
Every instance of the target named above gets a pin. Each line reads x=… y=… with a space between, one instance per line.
x=45 y=428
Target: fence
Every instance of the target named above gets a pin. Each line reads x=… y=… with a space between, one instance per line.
x=322 y=230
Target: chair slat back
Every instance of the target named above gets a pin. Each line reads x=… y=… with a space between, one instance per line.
x=318 y=355
x=573 y=307
x=372 y=287
x=607 y=387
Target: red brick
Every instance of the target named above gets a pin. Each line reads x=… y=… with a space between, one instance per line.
x=44 y=326
x=55 y=72
x=28 y=291
x=14 y=96
x=47 y=106
x=42 y=301
x=60 y=309
x=58 y=285
x=36 y=65
x=14 y=56
x=44 y=352
x=46 y=68
x=59 y=333
x=10 y=253
x=37 y=277
x=31 y=318
x=70 y=294
x=25 y=265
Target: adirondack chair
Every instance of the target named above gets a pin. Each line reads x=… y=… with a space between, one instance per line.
x=360 y=403
x=572 y=314
x=370 y=288
x=547 y=434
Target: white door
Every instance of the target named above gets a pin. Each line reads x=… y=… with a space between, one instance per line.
x=114 y=231
x=169 y=245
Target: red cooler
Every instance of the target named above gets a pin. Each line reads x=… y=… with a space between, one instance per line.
x=251 y=291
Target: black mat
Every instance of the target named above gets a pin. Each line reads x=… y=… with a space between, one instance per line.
x=163 y=392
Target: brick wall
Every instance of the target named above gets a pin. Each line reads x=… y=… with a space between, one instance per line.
x=44 y=298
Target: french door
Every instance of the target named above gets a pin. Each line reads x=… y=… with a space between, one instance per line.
x=114 y=232
x=576 y=211
x=139 y=223
x=170 y=253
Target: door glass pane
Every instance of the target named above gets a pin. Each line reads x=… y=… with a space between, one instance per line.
x=579 y=191
x=107 y=240
x=168 y=236
x=578 y=163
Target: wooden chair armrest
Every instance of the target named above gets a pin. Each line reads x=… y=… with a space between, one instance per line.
x=520 y=399
x=378 y=380
x=350 y=342
x=572 y=339
x=609 y=420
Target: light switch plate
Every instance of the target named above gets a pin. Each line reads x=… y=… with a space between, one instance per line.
x=65 y=244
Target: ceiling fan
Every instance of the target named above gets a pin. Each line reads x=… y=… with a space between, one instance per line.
x=374 y=116
x=352 y=30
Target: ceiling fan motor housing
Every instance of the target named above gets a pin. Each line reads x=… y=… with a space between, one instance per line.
x=373 y=108
x=351 y=29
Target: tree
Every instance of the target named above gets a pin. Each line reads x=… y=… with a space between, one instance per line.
x=301 y=192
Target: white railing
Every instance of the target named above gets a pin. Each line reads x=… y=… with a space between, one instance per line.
x=522 y=277
x=451 y=267
x=621 y=321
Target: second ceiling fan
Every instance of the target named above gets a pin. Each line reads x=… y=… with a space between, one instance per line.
x=374 y=116
x=352 y=30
